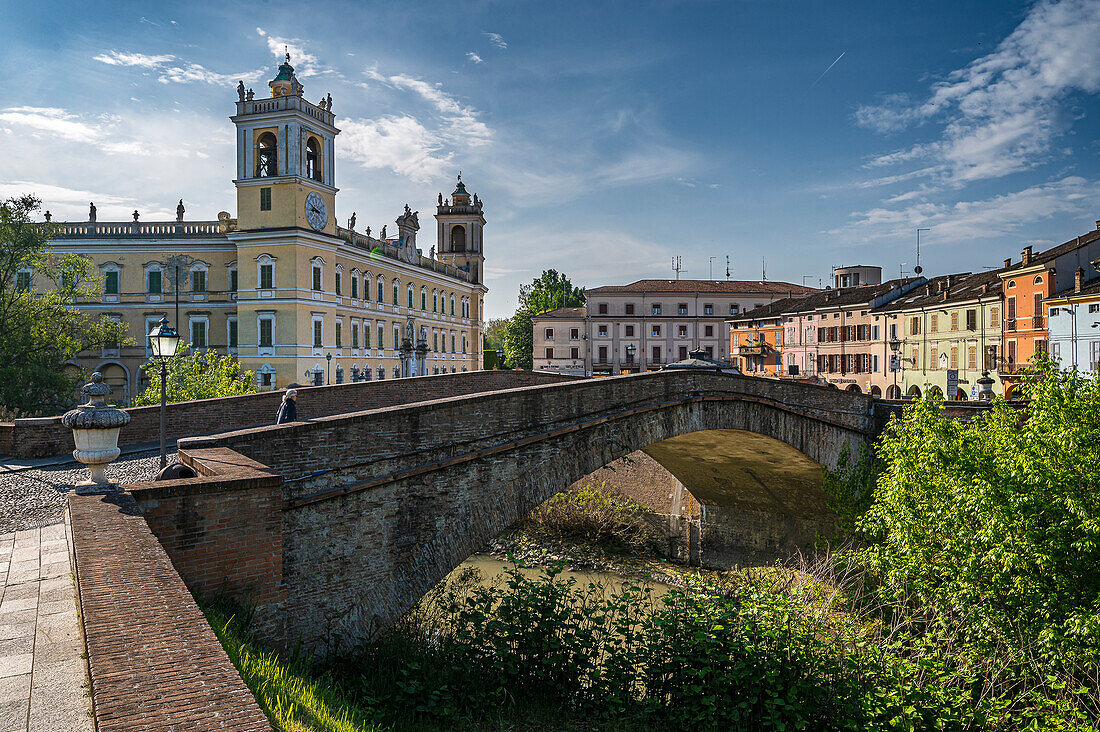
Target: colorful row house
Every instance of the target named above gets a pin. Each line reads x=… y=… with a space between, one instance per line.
x=946 y=335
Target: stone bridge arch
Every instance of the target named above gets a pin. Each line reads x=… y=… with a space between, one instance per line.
x=378 y=506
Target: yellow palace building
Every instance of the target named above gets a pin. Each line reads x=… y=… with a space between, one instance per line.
x=293 y=296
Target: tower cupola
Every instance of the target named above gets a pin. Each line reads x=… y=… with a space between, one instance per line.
x=286 y=83
x=460 y=197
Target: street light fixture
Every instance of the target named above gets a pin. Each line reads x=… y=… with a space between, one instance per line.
x=630 y=349
x=328 y=367
x=163 y=341
x=500 y=359
x=895 y=347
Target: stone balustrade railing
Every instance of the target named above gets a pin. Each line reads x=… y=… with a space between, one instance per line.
x=390 y=251
x=139 y=228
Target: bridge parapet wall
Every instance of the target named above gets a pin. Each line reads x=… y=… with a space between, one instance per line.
x=42 y=436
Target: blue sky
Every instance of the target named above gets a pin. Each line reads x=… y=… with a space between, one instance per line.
x=604 y=138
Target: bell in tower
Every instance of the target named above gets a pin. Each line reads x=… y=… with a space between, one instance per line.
x=459 y=233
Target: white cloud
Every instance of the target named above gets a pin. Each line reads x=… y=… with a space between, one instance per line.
x=474 y=58
x=1002 y=113
x=172 y=70
x=961 y=221
x=496 y=40
x=399 y=143
x=143 y=60
x=462 y=120
x=51 y=121
x=305 y=64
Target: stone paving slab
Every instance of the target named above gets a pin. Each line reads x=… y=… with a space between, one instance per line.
x=43 y=676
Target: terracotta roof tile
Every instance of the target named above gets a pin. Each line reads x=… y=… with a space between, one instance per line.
x=716 y=287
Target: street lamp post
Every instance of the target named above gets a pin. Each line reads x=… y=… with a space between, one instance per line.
x=630 y=349
x=163 y=341
x=500 y=359
x=895 y=348
x=328 y=367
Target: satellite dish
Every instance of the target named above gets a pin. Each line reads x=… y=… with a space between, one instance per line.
x=918 y=269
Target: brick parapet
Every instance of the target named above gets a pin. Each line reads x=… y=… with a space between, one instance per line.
x=154 y=661
x=44 y=436
x=223 y=530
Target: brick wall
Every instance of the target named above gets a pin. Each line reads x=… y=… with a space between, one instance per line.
x=40 y=437
x=222 y=530
x=154 y=661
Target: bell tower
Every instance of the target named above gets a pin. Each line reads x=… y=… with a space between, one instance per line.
x=285 y=158
x=460 y=230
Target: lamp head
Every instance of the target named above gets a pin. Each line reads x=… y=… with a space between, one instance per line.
x=163 y=340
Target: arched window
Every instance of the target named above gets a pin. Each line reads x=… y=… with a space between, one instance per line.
x=381 y=372
x=435 y=301
x=313 y=159
x=396 y=284
x=1011 y=284
x=1038 y=280
x=458 y=238
x=423 y=298
x=267 y=156
x=410 y=296
x=381 y=289
x=452 y=304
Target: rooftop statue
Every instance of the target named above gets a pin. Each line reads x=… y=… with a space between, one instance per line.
x=240 y=91
x=180 y=211
x=91 y=212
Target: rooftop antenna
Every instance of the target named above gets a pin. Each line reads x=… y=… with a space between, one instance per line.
x=677 y=266
x=712 y=268
x=804 y=279
x=901 y=270
x=918 y=269
x=763 y=270
x=727 y=266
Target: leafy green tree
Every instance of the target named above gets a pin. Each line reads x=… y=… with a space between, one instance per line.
x=549 y=291
x=995 y=525
x=202 y=375
x=494 y=339
x=41 y=332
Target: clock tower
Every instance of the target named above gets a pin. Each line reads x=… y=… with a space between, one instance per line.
x=460 y=224
x=285 y=158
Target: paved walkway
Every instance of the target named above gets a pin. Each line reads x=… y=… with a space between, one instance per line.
x=43 y=676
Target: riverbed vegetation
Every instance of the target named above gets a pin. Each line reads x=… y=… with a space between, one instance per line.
x=970 y=601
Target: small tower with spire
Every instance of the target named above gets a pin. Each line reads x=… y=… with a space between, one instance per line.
x=460 y=227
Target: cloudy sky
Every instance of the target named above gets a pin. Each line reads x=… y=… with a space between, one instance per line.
x=605 y=138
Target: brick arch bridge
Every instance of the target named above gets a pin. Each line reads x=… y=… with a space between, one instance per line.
x=336 y=526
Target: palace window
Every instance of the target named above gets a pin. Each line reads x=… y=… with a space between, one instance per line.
x=267 y=157
x=395 y=286
x=423 y=298
x=708 y=309
x=318 y=332
x=396 y=336
x=366 y=335
x=265 y=199
x=233 y=279
x=602 y=331
x=313 y=159
x=656 y=308
x=267 y=276
x=354 y=335
x=354 y=286
x=628 y=331
x=452 y=304
x=381 y=332
x=266 y=331
x=198 y=280
x=153 y=282
x=682 y=309
x=198 y=332
x=602 y=308
x=339 y=282
x=110 y=282
x=381 y=289
x=339 y=334
x=435 y=301
x=630 y=308
x=23 y=280
x=410 y=298
x=708 y=331
x=317 y=274
x=231 y=332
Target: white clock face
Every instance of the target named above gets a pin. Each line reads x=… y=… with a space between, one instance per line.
x=316 y=212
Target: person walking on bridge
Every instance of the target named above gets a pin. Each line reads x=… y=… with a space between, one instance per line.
x=288 y=410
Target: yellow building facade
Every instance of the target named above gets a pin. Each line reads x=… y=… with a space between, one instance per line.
x=294 y=296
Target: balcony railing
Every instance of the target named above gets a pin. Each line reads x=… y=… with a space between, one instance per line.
x=1037 y=322
x=1010 y=324
x=136 y=228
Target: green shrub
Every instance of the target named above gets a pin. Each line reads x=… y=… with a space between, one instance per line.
x=595 y=513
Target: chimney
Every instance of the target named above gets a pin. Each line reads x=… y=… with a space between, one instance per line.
x=927 y=290
x=945 y=295
x=1008 y=263
x=1078 y=280
x=1098 y=225
x=985 y=287
x=1025 y=256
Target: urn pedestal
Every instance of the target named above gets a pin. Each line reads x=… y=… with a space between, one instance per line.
x=95 y=427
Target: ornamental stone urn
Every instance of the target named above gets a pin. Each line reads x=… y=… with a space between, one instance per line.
x=95 y=427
